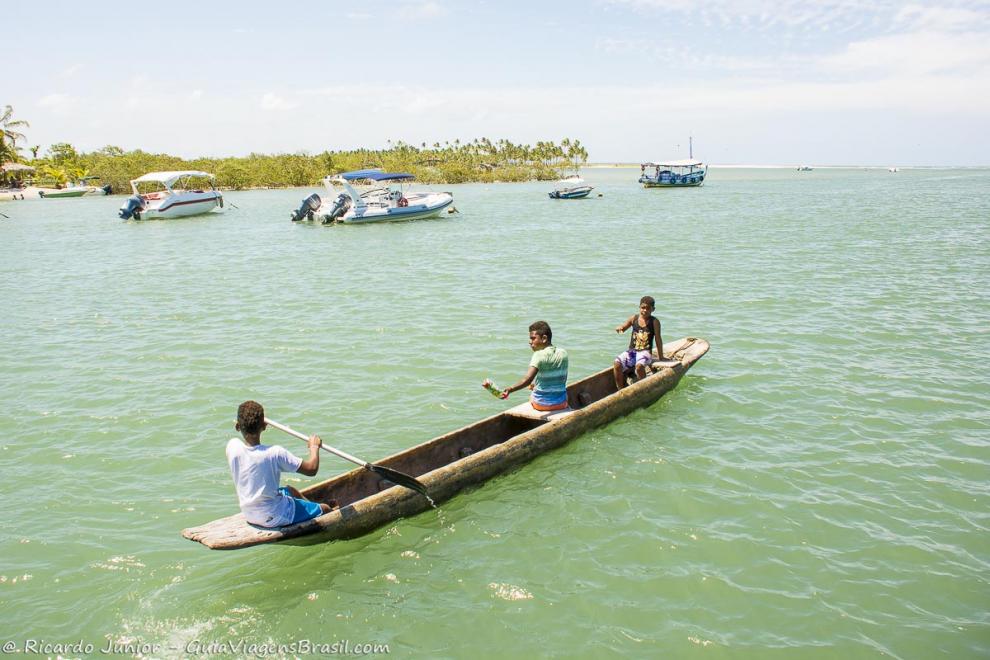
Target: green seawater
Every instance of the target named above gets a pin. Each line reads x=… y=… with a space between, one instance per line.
x=816 y=487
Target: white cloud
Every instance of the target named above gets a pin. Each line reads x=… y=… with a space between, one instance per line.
x=58 y=104
x=421 y=10
x=272 y=101
x=941 y=18
x=914 y=53
x=768 y=14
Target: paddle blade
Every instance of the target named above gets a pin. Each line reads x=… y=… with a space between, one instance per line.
x=398 y=478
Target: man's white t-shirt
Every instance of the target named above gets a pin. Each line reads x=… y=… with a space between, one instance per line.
x=256 y=471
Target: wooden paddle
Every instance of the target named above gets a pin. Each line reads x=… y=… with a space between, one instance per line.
x=394 y=476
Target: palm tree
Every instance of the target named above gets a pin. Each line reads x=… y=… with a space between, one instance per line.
x=8 y=134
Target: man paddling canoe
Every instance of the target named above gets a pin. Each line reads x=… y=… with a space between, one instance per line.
x=256 y=469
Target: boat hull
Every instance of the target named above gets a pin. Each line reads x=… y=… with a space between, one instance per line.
x=571 y=193
x=65 y=192
x=180 y=207
x=450 y=463
x=653 y=183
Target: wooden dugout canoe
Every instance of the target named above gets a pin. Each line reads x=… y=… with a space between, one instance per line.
x=465 y=457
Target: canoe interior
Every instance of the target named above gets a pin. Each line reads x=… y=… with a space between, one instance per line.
x=359 y=484
x=446 y=449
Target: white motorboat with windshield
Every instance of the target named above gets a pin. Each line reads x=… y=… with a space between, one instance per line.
x=572 y=188
x=386 y=200
x=171 y=195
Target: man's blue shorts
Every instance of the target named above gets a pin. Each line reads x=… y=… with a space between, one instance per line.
x=304 y=509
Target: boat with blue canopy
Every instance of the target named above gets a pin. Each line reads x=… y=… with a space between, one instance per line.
x=386 y=199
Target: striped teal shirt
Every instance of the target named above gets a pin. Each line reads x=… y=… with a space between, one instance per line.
x=550 y=386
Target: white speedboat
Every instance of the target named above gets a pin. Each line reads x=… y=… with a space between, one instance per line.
x=388 y=202
x=171 y=195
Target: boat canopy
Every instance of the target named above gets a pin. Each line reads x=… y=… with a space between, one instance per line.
x=375 y=175
x=688 y=162
x=169 y=178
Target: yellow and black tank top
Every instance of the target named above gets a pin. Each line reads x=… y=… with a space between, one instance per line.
x=642 y=338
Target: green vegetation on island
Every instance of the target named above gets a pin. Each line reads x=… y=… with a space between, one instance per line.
x=451 y=162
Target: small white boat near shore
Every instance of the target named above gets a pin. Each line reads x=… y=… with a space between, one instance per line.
x=160 y=195
x=381 y=203
x=84 y=187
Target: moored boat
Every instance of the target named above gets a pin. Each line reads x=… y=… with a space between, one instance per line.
x=673 y=174
x=454 y=461
x=688 y=173
x=160 y=195
x=577 y=192
x=389 y=202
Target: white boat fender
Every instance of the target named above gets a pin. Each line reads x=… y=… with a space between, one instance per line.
x=132 y=208
x=306 y=209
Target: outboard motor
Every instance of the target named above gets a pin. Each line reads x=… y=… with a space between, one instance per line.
x=106 y=189
x=132 y=208
x=308 y=207
x=339 y=208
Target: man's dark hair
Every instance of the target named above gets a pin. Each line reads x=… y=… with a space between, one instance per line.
x=542 y=328
x=649 y=301
x=250 y=417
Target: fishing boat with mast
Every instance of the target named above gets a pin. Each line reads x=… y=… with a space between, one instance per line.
x=687 y=173
x=449 y=463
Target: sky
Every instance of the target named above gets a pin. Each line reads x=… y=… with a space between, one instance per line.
x=785 y=82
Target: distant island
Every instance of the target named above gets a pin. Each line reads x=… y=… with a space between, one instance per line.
x=479 y=160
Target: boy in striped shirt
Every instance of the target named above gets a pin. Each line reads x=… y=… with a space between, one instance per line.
x=547 y=371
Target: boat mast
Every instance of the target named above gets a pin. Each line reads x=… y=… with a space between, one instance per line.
x=690 y=148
